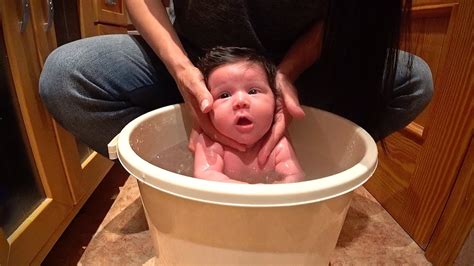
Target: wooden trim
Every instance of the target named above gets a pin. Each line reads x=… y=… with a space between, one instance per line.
x=436 y=10
x=414 y=131
x=108 y=29
x=27 y=240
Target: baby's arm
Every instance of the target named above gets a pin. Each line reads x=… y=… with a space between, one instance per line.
x=286 y=163
x=208 y=160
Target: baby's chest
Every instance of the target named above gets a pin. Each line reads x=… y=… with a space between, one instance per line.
x=246 y=167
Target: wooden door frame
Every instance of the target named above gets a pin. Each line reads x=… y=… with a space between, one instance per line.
x=447 y=240
x=449 y=133
x=454 y=222
x=425 y=200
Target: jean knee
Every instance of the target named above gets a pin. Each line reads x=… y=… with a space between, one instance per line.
x=423 y=81
x=54 y=77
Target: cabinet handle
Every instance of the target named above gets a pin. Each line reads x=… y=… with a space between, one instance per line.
x=47 y=25
x=111 y=2
x=25 y=14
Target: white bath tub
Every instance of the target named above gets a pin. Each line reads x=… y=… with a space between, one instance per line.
x=201 y=222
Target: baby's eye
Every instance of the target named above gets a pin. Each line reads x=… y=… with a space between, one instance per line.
x=224 y=95
x=253 y=91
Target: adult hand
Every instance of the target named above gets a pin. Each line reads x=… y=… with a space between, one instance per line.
x=192 y=87
x=288 y=106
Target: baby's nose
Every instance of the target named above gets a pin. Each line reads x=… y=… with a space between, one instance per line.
x=241 y=100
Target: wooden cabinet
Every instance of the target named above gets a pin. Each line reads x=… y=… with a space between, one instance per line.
x=63 y=179
x=4 y=248
x=99 y=17
x=420 y=165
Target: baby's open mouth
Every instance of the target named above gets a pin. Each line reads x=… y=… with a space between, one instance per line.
x=243 y=121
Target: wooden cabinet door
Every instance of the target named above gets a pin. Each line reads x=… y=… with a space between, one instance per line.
x=28 y=241
x=111 y=12
x=65 y=181
x=420 y=164
x=42 y=16
x=84 y=174
x=99 y=17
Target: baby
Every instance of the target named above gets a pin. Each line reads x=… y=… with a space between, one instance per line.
x=242 y=84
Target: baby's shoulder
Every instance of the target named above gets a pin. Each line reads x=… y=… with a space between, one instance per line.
x=283 y=147
x=283 y=143
x=209 y=144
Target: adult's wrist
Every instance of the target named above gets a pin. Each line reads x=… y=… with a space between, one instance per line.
x=287 y=72
x=177 y=66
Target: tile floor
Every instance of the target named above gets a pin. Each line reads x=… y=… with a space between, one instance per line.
x=369 y=235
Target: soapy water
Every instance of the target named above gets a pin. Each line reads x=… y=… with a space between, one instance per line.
x=179 y=159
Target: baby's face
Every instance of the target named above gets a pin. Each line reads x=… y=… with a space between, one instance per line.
x=244 y=103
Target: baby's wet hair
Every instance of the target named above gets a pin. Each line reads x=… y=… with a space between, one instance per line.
x=220 y=55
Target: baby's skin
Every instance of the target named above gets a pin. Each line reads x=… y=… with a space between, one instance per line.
x=221 y=163
x=243 y=110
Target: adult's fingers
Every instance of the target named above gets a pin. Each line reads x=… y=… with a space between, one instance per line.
x=200 y=92
x=293 y=106
x=204 y=98
x=290 y=98
x=202 y=123
x=211 y=131
x=273 y=137
x=198 y=97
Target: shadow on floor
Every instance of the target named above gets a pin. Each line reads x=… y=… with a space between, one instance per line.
x=131 y=220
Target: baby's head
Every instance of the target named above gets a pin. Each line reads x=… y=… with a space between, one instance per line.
x=220 y=55
x=242 y=84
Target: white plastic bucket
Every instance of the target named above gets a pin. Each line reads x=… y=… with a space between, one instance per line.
x=195 y=221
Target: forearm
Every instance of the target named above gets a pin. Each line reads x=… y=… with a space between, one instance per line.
x=151 y=20
x=303 y=53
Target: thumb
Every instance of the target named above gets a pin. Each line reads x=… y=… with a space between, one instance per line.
x=292 y=104
x=203 y=97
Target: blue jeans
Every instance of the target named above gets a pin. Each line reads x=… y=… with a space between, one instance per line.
x=93 y=87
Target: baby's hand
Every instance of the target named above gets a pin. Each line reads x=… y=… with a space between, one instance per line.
x=291 y=179
x=193 y=138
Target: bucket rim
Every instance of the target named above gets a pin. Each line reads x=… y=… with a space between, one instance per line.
x=246 y=195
